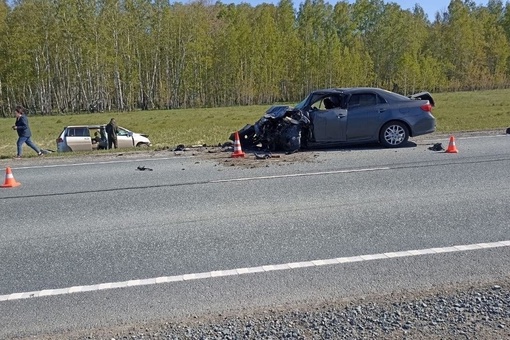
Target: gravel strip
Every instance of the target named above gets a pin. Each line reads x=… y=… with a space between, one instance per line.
x=471 y=312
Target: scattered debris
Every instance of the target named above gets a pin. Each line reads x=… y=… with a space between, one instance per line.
x=262 y=156
x=143 y=168
x=227 y=144
x=437 y=147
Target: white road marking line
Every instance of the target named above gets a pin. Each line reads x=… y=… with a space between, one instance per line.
x=479 y=137
x=438 y=139
x=99 y=163
x=251 y=270
x=243 y=179
x=299 y=175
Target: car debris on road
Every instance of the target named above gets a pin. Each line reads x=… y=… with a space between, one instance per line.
x=265 y=155
x=437 y=147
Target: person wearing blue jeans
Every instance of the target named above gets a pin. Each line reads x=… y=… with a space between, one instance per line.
x=24 y=133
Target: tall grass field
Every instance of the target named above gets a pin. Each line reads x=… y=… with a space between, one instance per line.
x=455 y=112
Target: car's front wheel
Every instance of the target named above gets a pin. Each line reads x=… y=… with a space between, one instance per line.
x=394 y=134
x=142 y=145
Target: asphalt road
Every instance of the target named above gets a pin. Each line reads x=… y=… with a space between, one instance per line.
x=96 y=243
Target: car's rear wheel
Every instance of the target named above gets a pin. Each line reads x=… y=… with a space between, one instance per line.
x=394 y=134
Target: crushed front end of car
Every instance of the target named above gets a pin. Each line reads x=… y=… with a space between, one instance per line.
x=282 y=128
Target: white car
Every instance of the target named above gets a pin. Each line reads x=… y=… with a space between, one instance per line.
x=94 y=137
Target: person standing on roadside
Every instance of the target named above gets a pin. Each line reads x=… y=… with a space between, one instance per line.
x=24 y=133
x=111 y=130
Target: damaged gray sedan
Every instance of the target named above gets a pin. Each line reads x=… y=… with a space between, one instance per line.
x=342 y=116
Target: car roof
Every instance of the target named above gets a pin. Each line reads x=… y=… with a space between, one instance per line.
x=93 y=126
x=349 y=89
x=86 y=126
x=388 y=95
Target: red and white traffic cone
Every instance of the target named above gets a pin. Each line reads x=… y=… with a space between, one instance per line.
x=238 y=151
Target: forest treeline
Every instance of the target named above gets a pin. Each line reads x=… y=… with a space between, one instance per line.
x=63 y=56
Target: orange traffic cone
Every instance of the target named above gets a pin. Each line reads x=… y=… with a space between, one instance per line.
x=238 y=152
x=451 y=146
x=10 y=182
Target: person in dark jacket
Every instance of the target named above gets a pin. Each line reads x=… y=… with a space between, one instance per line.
x=111 y=130
x=24 y=133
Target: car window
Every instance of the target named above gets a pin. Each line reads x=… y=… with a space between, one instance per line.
x=78 y=132
x=328 y=102
x=362 y=99
x=122 y=132
x=316 y=102
x=338 y=101
x=381 y=100
x=332 y=102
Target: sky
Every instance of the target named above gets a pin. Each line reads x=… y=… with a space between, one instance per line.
x=429 y=6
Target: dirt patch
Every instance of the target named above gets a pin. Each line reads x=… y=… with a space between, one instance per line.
x=254 y=159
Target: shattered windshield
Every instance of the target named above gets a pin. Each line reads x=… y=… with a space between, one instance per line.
x=314 y=100
x=311 y=99
x=318 y=101
x=301 y=105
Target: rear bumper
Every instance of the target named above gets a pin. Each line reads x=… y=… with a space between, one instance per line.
x=424 y=125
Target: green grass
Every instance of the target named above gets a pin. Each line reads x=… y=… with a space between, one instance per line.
x=471 y=111
x=455 y=112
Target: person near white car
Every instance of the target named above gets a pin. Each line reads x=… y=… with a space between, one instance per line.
x=112 y=130
x=24 y=134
